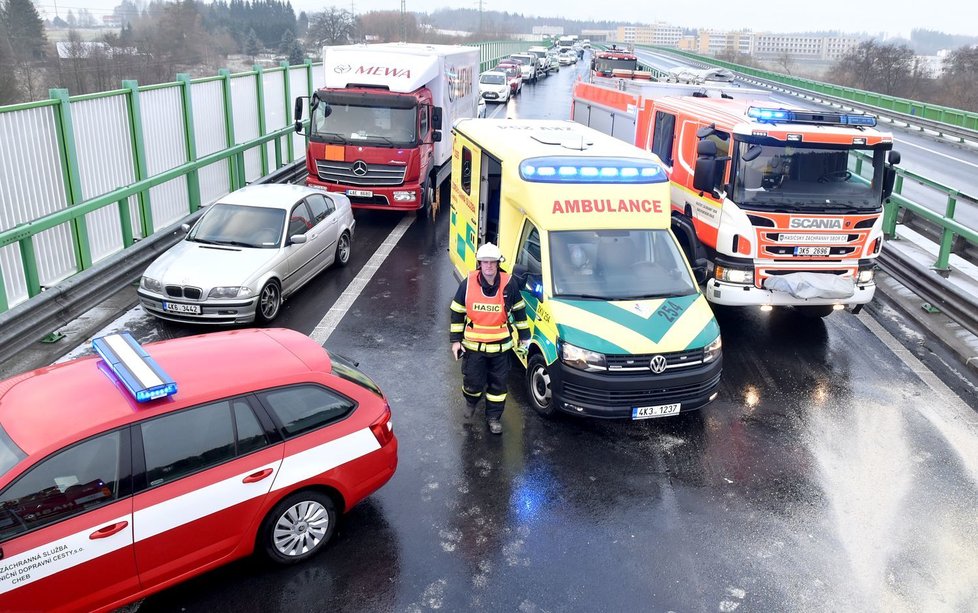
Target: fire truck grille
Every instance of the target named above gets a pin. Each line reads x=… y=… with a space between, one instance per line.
x=359 y=173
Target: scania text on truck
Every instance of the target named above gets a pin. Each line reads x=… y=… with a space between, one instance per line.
x=375 y=125
x=786 y=203
x=619 y=326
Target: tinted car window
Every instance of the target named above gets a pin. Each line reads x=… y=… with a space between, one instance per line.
x=306 y=407
x=318 y=206
x=182 y=443
x=300 y=220
x=250 y=434
x=70 y=482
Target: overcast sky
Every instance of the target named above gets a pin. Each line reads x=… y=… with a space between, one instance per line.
x=876 y=17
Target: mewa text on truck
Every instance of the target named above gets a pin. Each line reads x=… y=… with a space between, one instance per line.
x=784 y=202
x=375 y=129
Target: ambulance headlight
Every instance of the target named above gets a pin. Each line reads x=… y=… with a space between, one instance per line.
x=865 y=276
x=734 y=275
x=152 y=285
x=582 y=359
x=712 y=351
x=223 y=293
x=404 y=196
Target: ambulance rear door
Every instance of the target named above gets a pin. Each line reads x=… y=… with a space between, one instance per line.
x=465 y=226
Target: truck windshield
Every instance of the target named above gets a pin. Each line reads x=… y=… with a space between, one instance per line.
x=808 y=178
x=373 y=125
x=618 y=265
x=606 y=65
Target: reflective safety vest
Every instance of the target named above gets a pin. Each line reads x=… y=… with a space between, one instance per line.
x=487 y=314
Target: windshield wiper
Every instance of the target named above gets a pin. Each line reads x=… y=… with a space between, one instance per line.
x=582 y=296
x=389 y=141
x=205 y=241
x=333 y=134
x=648 y=296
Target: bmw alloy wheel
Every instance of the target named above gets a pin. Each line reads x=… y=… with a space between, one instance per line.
x=269 y=301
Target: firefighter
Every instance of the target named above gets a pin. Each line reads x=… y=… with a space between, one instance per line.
x=481 y=335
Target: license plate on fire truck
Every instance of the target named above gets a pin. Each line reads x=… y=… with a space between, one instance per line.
x=360 y=193
x=658 y=411
x=812 y=251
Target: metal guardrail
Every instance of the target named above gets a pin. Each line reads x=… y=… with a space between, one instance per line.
x=932 y=287
x=902 y=106
x=32 y=320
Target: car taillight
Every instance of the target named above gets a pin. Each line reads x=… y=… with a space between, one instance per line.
x=383 y=428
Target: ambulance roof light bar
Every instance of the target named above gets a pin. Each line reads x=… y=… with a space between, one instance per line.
x=133 y=367
x=591 y=170
x=772 y=115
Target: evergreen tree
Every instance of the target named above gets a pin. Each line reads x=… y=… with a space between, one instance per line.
x=25 y=30
x=252 y=44
x=296 y=54
x=302 y=24
x=285 y=46
x=9 y=93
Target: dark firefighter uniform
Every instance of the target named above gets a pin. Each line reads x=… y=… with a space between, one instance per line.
x=480 y=320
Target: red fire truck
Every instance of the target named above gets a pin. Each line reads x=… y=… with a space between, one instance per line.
x=784 y=203
x=617 y=63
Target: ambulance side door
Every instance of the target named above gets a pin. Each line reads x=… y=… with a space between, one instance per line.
x=201 y=477
x=66 y=529
x=465 y=228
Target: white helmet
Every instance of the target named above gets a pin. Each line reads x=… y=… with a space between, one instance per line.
x=489 y=253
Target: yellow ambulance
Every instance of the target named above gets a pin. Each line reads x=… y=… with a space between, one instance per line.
x=620 y=327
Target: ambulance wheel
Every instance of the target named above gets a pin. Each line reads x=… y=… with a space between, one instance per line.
x=269 y=302
x=538 y=386
x=344 y=247
x=298 y=527
x=822 y=310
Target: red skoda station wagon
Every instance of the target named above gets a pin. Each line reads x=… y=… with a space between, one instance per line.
x=129 y=471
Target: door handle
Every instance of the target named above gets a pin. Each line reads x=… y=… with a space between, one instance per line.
x=101 y=533
x=258 y=476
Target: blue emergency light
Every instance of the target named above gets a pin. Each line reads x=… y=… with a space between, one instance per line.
x=591 y=170
x=769 y=115
x=133 y=367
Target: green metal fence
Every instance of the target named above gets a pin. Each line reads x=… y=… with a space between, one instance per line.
x=73 y=215
x=951 y=116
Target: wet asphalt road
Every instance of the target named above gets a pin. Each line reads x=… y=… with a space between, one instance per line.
x=828 y=475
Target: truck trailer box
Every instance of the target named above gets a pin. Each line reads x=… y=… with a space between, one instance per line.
x=376 y=123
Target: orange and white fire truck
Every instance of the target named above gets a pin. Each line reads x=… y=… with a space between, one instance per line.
x=617 y=63
x=784 y=203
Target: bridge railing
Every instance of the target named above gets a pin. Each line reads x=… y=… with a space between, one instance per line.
x=903 y=106
x=85 y=177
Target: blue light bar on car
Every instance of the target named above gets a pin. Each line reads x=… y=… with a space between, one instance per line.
x=769 y=115
x=591 y=170
x=772 y=115
x=133 y=367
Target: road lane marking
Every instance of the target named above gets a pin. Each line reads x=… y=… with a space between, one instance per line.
x=332 y=318
x=950 y=157
x=950 y=416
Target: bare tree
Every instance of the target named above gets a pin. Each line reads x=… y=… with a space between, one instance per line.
x=333 y=26
x=960 y=79
x=883 y=68
x=9 y=92
x=785 y=62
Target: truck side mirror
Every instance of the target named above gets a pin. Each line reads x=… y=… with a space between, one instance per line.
x=436 y=117
x=706 y=148
x=704 y=177
x=889 y=180
x=699 y=271
x=436 y=136
x=297 y=111
x=893 y=157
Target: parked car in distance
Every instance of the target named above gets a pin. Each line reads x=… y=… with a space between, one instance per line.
x=514 y=74
x=125 y=473
x=247 y=253
x=529 y=66
x=567 y=58
x=494 y=86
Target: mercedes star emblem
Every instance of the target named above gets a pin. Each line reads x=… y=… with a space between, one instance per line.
x=359 y=168
x=657 y=364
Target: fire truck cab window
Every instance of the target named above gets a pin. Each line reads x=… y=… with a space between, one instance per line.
x=665 y=132
x=70 y=482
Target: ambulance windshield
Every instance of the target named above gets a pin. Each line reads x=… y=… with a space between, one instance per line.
x=618 y=265
x=809 y=178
